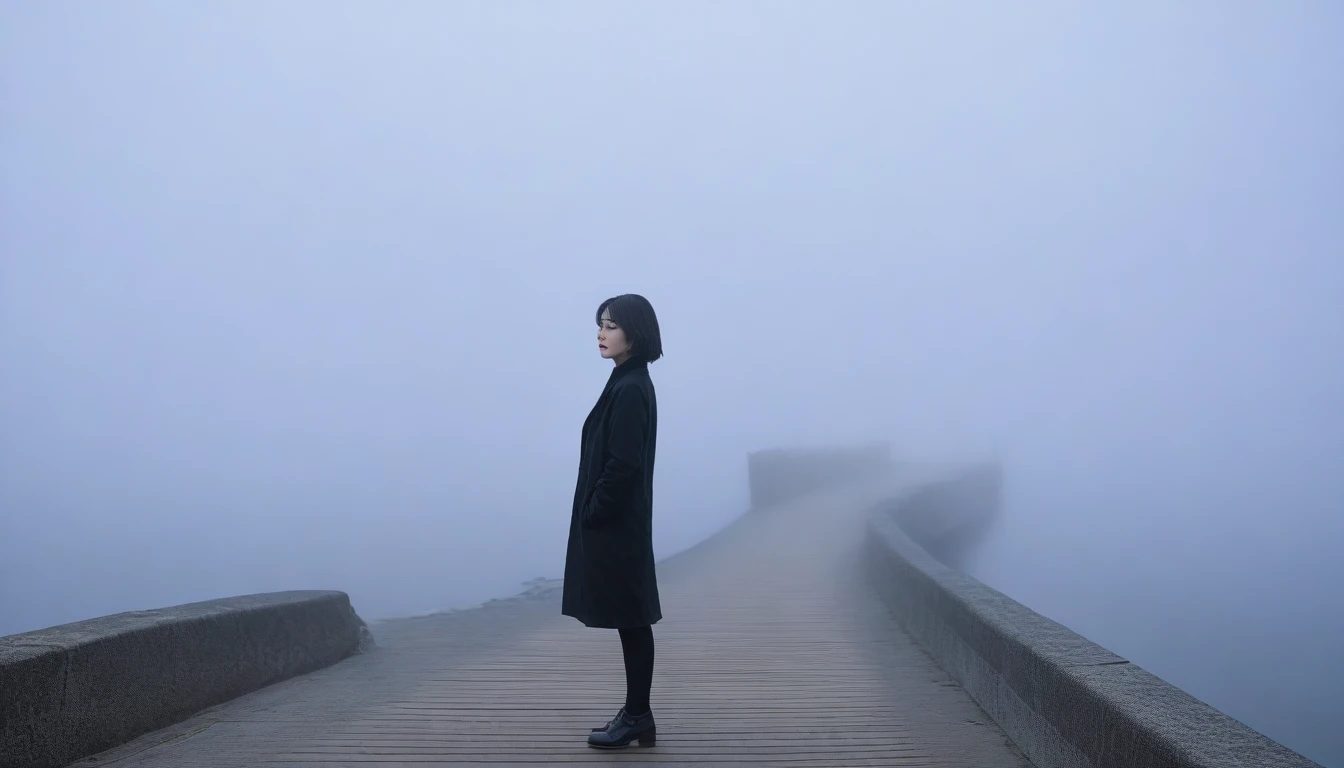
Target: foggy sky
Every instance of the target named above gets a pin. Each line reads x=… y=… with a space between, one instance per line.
x=300 y=295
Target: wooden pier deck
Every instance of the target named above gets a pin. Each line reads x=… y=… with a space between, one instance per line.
x=773 y=652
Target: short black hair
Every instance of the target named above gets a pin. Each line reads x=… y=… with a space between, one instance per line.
x=634 y=314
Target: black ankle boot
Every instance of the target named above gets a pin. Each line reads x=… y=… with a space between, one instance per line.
x=625 y=728
x=612 y=721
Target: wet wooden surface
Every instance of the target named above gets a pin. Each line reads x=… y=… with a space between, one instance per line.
x=772 y=652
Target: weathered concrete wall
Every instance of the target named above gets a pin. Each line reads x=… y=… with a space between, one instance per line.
x=77 y=689
x=948 y=518
x=779 y=475
x=1064 y=700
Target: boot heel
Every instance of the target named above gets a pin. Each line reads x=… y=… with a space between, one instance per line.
x=648 y=739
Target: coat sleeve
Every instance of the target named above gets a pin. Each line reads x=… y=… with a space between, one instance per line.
x=625 y=454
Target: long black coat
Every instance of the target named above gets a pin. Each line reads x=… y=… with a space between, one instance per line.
x=609 y=571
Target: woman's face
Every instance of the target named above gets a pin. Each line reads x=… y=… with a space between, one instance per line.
x=611 y=342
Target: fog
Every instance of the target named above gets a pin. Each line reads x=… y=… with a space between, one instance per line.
x=300 y=295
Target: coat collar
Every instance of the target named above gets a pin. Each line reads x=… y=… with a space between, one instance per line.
x=625 y=369
x=632 y=364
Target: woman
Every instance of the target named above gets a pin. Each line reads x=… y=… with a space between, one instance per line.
x=609 y=571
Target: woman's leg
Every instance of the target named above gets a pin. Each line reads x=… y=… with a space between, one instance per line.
x=637 y=647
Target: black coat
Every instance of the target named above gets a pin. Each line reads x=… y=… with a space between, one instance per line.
x=609 y=571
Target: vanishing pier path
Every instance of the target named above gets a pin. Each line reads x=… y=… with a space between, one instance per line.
x=773 y=651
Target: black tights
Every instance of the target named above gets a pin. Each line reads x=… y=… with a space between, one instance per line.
x=637 y=647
